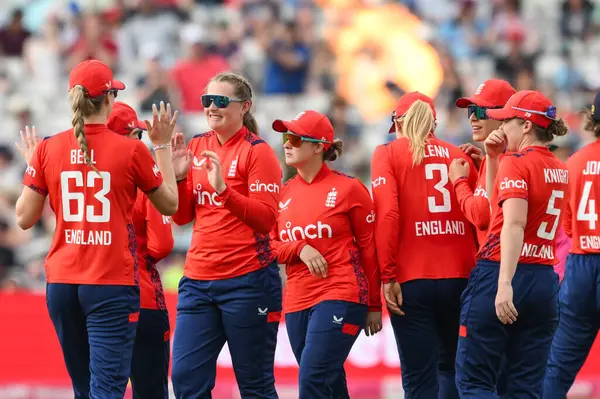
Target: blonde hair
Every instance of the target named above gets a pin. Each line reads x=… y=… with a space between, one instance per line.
x=83 y=106
x=334 y=152
x=590 y=124
x=417 y=123
x=243 y=91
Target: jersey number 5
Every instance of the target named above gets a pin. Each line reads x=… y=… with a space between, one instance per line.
x=440 y=186
x=81 y=208
x=554 y=211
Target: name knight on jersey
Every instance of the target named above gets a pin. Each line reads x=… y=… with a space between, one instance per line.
x=556 y=176
x=439 y=227
x=592 y=168
x=536 y=251
x=297 y=233
x=81 y=237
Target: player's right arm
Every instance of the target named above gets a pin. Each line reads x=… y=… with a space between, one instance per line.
x=163 y=193
x=182 y=158
x=567 y=222
x=475 y=208
x=30 y=203
x=387 y=220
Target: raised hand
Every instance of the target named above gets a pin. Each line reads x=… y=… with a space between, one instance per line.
x=474 y=152
x=181 y=156
x=495 y=143
x=29 y=142
x=458 y=168
x=161 y=129
x=213 y=169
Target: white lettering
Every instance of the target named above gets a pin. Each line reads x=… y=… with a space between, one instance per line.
x=258 y=187
x=77 y=157
x=592 y=168
x=439 y=227
x=371 y=217
x=436 y=151
x=535 y=251
x=589 y=242
x=508 y=184
x=166 y=219
x=312 y=231
x=556 y=176
x=378 y=182
x=81 y=237
x=30 y=171
x=206 y=198
x=480 y=192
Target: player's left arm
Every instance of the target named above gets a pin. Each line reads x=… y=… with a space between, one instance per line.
x=362 y=219
x=30 y=203
x=567 y=221
x=259 y=209
x=159 y=231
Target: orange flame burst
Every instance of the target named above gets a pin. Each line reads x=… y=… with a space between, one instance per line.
x=375 y=44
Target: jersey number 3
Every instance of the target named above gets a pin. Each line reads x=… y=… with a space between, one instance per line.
x=81 y=208
x=439 y=186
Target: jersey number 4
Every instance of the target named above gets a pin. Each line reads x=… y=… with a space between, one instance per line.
x=81 y=208
x=440 y=186
x=588 y=214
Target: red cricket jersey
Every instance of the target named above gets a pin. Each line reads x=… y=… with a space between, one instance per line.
x=94 y=241
x=581 y=219
x=333 y=214
x=231 y=230
x=154 y=242
x=475 y=204
x=536 y=175
x=420 y=231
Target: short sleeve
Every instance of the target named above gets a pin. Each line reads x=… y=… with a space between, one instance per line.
x=511 y=180
x=146 y=174
x=34 y=175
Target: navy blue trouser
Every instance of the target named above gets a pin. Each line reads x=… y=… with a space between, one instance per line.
x=321 y=338
x=484 y=340
x=427 y=335
x=243 y=311
x=96 y=326
x=579 y=305
x=150 y=366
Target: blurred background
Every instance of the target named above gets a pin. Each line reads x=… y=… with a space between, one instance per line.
x=350 y=59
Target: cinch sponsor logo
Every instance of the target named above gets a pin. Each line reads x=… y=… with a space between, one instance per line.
x=258 y=187
x=480 y=192
x=155 y=170
x=508 y=184
x=206 y=198
x=378 y=182
x=297 y=233
x=30 y=171
x=371 y=217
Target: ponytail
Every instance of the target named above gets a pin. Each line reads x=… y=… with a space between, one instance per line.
x=82 y=106
x=334 y=152
x=417 y=123
x=250 y=122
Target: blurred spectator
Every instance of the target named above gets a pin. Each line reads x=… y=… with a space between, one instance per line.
x=288 y=61
x=192 y=74
x=154 y=85
x=576 y=19
x=509 y=66
x=95 y=42
x=13 y=36
x=464 y=35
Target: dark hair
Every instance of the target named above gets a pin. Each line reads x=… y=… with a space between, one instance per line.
x=82 y=105
x=243 y=91
x=590 y=124
x=555 y=129
x=334 y=152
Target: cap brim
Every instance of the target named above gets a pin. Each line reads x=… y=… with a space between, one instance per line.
x=117 y=85
x=142 y=125
x=500 y=114
x=464 y=102
x=288 y=126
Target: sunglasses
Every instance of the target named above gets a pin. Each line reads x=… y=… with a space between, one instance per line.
x=220 y=101
x=550 y=112
x=114 y=92
x=296 y=140
x=479 y=112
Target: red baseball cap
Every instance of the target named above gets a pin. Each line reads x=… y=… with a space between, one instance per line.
x=406 y=101
x=528 y=105
x=309 y=123
x=95 y=77
x=493 y=93
x=123 y=119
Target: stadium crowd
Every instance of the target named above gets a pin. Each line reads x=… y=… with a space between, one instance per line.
x=169 y=49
